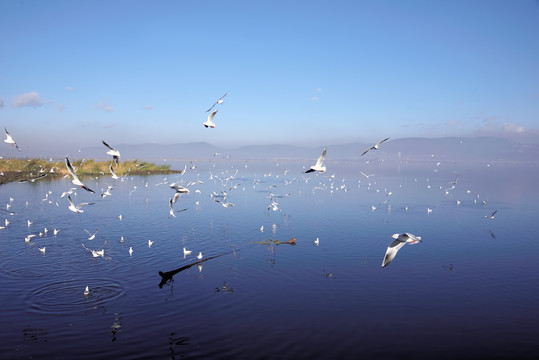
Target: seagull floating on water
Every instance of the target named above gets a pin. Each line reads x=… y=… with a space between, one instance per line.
x=9 y=140
x=86 y=291
x=114 y=153
x=199 y=256
x=209 y=122
x=220 y=101
x=375 y=147
x=186 y=252
x=76 y=180
x=394 y=247
x=130 y=251
x=319 y=166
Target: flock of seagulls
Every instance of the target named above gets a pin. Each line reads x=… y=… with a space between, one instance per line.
x=399 y=239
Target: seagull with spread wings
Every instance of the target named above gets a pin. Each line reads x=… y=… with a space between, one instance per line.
x=220 y=101
x=375 y=147
x=9 y=140
x=319 y=166
x=209 y=122
x=114 y=153
x=397 y=244
x=76 y=180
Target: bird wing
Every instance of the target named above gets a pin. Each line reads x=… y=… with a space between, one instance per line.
x=70 y=169
x=176 y=196
x=217 y=102
x=391 y=251
x=321 y=158
x=88 y=232
x=366 y=151
x=8 y=136
x=494 y=213
x=415 y=239
x=107 y=145
x=381 y=141
x=210 y=117
x=112 y=170
x=70 y=201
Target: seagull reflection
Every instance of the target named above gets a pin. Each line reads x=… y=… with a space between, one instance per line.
x=168 y=276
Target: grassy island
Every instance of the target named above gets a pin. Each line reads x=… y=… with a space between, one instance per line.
x=27 y=169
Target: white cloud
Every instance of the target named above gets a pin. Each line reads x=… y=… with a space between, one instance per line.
x=103 y=105
x=31 y=99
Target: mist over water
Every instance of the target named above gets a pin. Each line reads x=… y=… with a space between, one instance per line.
x=467 y=290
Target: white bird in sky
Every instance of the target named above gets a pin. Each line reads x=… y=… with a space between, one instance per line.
x=76 y=180
x=114 y=153
x=319 y=166
x=9 y=140
x=375 y=147
x=394 y=247
x=92 y=236
x=209 y=122
x=220 y=101
x=76 y=208
x=491 y=216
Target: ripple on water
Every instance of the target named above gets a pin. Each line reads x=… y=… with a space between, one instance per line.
x=67 y=297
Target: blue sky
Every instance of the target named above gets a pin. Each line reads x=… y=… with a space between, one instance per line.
x=310 y=73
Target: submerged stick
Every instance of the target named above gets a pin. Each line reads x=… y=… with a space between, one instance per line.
x=167 y=276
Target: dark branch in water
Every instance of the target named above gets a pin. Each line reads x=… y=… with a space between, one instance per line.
x=167 y=276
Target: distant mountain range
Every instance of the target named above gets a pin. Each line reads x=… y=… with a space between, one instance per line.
x=412 y=149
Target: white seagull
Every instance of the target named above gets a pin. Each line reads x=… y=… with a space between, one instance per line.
x=76 y=180
x=220 y=101
x=199 y=256
x=76 y=208
x=209 y=122
x=491 y=216
x=394 y=247
x=114 y=153
x=375 y=147
x=180 y=190
x=319 y=166
x=86 y=291
x=92 y=236
x=186 y=252
x=9 y=140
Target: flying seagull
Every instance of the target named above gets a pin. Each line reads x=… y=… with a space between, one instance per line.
x=375 y=147
x=394 y=247
x=220 y=101
x=92 y=236
x=180 y=190
x=491 y=216
x=76 y=180
x=33 y=179
x=209 y=122
x=319 y=166
x=114 y=153
x=9 y=140
x=76 y=208
x=172 y=211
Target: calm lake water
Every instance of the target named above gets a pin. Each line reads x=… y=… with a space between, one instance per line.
x=469 y=290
